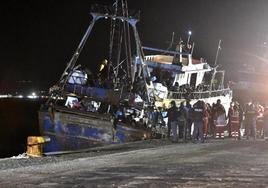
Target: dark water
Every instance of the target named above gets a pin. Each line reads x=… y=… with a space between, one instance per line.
x=18 y=120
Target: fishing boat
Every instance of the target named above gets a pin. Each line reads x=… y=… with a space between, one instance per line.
x=178 y=77
x=121 y=106
x=80 y=114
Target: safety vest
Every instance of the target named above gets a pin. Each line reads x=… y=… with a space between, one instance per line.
x=235 y=117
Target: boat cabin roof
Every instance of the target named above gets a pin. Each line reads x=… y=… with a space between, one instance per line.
x=167 y=59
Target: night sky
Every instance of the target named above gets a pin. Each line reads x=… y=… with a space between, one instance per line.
x=38 y=37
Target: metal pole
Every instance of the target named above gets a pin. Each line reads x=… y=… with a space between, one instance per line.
x=80 y=47
x=217 y=54
x=189 y=37
x=192 y=49
x=164 y=51
x=145 y=71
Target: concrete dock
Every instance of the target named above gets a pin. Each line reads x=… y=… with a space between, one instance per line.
x=155 y=163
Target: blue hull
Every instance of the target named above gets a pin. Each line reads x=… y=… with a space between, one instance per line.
x=75 y=130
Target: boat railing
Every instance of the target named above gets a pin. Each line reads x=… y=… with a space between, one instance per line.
x=198 y=94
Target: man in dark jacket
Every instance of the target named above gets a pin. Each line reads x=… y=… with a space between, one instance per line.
x=250 y=120
x=173 y=120
x=182 y=120
x=198 y=114
x=189 y=122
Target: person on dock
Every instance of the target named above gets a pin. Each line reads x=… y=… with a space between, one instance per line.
x=220 y=120
x=189 y=122
x=198 y=115
x=173 y=120
x=182 y=117
x=206 y=120
x=250 y=120
x=234 y=123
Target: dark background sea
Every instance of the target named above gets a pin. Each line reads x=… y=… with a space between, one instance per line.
x=18 y=120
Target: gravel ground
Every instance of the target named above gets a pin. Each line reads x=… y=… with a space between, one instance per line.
x=24 y=161
x=154 y=163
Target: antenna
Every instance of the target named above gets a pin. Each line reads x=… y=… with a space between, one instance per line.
x=172 y=41
x=192 y=50
x=217 y=54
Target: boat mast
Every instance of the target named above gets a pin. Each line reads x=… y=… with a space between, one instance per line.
x=215 y=67
x=120 y=35
x=217 y=54
x=127 y=39
x=120 y=15
x=115 y=44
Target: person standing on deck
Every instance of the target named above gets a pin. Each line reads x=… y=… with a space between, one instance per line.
x=103 y=70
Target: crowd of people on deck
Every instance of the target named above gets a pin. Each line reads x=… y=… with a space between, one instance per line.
x=249 y=121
